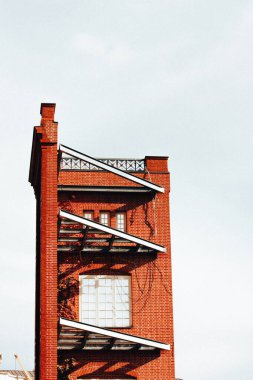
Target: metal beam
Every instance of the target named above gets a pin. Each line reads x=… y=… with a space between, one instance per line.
x=111 y=242
x=114 y=334
x=111 y=231
x=111 y=169
x=104 y=189
x=104 y=249
x=84 y=238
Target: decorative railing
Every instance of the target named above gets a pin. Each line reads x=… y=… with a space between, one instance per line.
x=128 y=165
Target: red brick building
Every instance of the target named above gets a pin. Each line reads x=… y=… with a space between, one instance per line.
x=103 y=263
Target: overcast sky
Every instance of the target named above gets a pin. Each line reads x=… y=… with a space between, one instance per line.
x=134 y=78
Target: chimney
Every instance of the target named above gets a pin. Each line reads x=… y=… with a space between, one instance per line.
x=47 y=111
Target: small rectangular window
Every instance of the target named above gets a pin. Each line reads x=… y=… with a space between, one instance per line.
x=121 y=221
x=105 y=218
x=105 y=301
x=87 y=214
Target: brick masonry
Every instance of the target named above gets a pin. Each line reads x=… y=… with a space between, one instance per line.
x=147 y=218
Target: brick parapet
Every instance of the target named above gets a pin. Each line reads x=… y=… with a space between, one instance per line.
x=156 y=164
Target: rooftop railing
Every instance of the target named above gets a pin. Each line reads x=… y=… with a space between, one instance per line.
x=127 y=165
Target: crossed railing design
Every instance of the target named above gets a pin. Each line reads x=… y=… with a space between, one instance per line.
x=129 y=165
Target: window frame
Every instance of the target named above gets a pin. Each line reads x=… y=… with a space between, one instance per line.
x=88 y=211
x=97 y=302
x=118 y=213
x=105 y=212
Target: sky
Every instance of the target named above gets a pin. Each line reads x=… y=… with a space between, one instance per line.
x=132 y=78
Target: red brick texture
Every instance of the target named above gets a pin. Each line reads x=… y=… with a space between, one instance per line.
x=151 y=279
x=46 y=292
x=152 y=315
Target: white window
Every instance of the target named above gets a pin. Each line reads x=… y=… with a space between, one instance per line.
x=105 y=218
x=121 y=221
x=105 y=300
x=88 y=214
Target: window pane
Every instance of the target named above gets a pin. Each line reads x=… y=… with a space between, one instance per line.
x=122 y=323
x=88 y=290
x=109 y=306
x=109 y=314
x=91 y=314
x=105 y=218
x=85 y=298
x=91 y=306
x=88 y=281
x=106 y=314
x=91 y=322
x=105 y=298
x=122 y=314
x=121 y=221
x=108 y=282
x=122 y=298
x=121 y=306
x=88 y=214
x=102 y=322
x=108 y=323
x=122 y=290
x=123 y=282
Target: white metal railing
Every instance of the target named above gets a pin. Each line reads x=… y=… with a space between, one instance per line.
x=127 y=165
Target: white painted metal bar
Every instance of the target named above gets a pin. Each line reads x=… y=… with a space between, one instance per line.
x=109 y=168
x=114 y=334
x=111 y=231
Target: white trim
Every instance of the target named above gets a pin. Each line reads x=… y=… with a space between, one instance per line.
x=111 y=169
x=114 y=334
x=111 y=231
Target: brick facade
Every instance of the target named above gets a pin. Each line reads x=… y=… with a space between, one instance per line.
x=147 y=216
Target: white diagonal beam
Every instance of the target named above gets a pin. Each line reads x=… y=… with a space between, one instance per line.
x=111 y=231
x=114 y=334
x=109 y=168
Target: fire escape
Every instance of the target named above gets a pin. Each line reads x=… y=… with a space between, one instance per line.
x=77 y=234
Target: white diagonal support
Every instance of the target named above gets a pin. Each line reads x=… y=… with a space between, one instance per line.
x=109 y=168
x=114 y=334
x=111 y=231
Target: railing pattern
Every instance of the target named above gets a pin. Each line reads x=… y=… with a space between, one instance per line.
x=128 y=165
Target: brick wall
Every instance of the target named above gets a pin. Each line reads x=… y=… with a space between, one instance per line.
x=43 y=176
x=147 y=218
x=116 y=365
x=152 y=316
